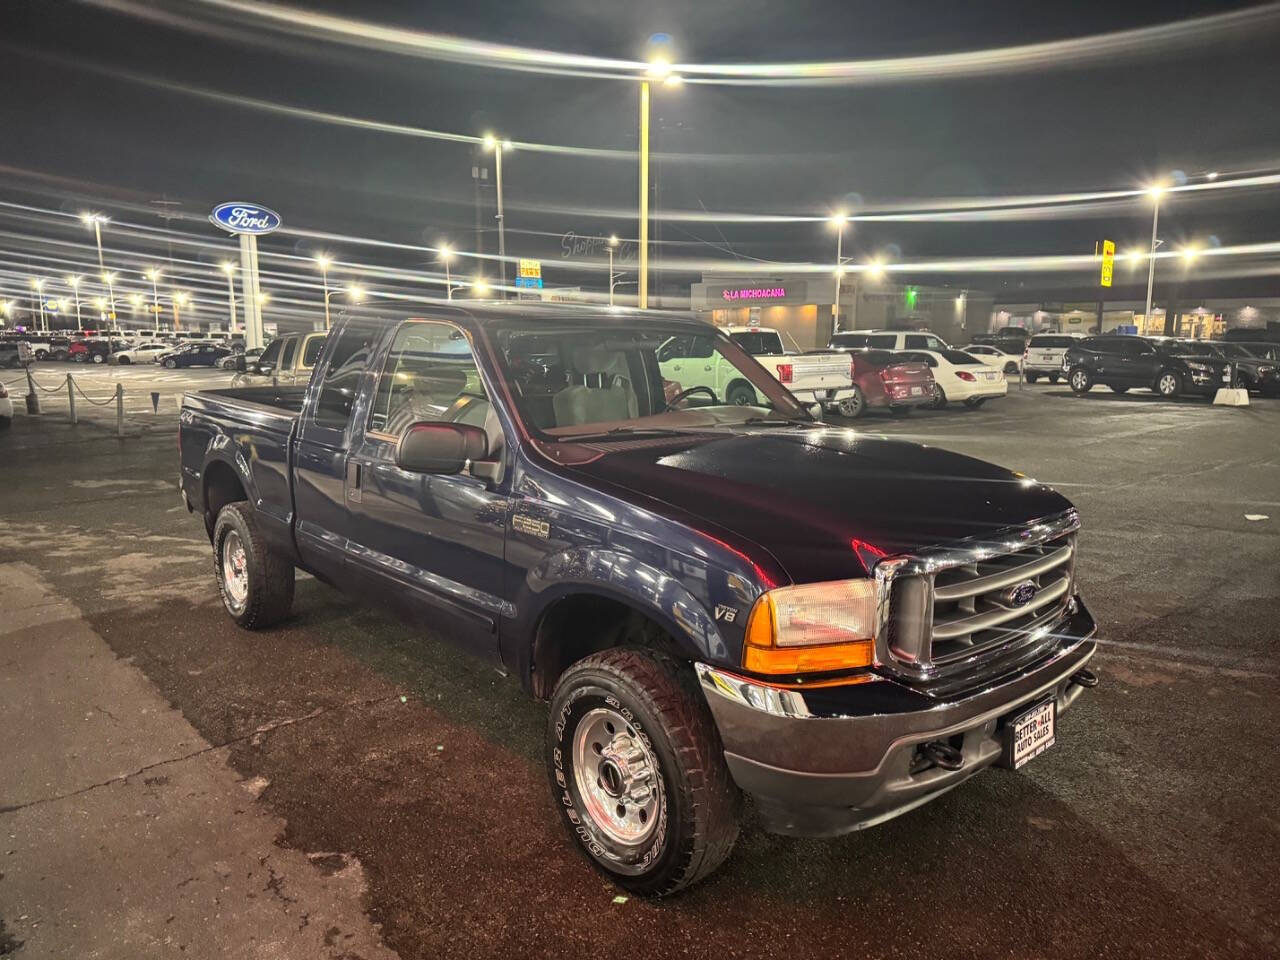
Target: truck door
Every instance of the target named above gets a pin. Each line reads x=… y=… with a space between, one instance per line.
x=434 y=542
x=323 y=524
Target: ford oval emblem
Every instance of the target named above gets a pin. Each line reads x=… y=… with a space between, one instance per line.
x=240 y=217
x=1019 y=595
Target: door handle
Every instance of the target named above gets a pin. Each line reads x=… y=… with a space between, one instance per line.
x=708 y=369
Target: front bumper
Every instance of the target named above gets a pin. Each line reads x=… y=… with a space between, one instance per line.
x=830 y=760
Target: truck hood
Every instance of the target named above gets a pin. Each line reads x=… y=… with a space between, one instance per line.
x=826 y=503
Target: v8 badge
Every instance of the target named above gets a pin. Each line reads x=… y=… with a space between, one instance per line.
x=726 y=613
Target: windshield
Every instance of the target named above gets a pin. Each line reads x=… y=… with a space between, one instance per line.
x=959 y=357
x=577 y=378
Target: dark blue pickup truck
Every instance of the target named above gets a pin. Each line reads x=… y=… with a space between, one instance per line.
x=717 y=598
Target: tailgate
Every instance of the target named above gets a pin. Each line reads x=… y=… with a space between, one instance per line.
x=820 y=372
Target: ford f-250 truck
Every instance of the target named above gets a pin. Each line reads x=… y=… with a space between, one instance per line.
x=716 y=599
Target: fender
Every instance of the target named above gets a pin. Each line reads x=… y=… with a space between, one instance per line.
x=274 y=507
x=659 y=595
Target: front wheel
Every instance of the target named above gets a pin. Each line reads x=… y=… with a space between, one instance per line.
x=852 y=406
x=1031 y=377
x=638 y=770
x=99 y=358
x=256 y=584
x=740 y=395
x=171 y=364
x=974 y=402
x=1168 y=384
x=1080 y=380
x=1053 y=378
x=123 y=361
x=1010 y=369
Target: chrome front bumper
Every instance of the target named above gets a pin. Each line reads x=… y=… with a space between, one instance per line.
x=829 y=760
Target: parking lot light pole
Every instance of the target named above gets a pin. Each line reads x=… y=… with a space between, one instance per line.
x=179 y=300
x=446 y=254
x=838 y=221
x=96 y=220
x=1155 y=193
x=74 y=283
x=491 y=142
x=37 y=298
x=154 y=276
x=229 y=269
x=109 y=279
x=613 y=243
x=323 y=262
x=659 y=69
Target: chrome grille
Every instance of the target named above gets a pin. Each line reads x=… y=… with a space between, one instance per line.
x=957 y=610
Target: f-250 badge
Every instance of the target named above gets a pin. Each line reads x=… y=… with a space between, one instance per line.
x=535 y=528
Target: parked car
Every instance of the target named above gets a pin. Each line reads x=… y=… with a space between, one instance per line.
x=92 y=351
x=1122 y=362
x=239 y=358
x=1044 y=353
x=887 y=340
x=288 y=359
x=716 y=600
x=992 y=356
x=15 y=353
x=1257 y=365
x=822 y=378
x=195 y=355
x=1016 y=345
x=6 y=408
x=883 y=380
x=960 y=376
x=145 y=352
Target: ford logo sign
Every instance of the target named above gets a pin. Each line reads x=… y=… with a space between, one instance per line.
x=242 y=217
x=1020 y=594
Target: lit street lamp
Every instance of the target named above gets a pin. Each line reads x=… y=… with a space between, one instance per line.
x=74 y=283
x=480 y=288
x=613 y=243
x=446 y=254
x=491 y=143
x=659 y=69
x=229 y=269
x=355 y=293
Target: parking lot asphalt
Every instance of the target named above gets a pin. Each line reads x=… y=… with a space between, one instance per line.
x=1148 y=830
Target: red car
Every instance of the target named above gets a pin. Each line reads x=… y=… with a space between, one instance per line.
x=885 y=381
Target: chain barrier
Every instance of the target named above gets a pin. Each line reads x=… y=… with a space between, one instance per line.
x=96 y=403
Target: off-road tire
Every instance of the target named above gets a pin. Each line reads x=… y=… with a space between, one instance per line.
x=270 y=575
x=699 y=804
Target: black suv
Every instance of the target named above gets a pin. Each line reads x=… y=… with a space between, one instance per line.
x=1168 y=367
x=1257 y=365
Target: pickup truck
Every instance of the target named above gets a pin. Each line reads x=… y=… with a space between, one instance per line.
x=822 y=377
x=288 y=359
x=716 y=599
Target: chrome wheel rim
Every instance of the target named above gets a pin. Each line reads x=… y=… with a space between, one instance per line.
x=235 y=571
x=617 y=777
x=1168 y=383
x=1078 y=380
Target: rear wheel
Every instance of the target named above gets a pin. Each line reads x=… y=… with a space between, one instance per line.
x=637 y=768
x=852 y=406
x=1053 y=378
x=1080 y=380
x=99 y=358
x=939 y=398
x=1169 y=384
x=1010 y=369
x=1031 y=377
x=123 y=361
x=42 y=354
x=255 y=583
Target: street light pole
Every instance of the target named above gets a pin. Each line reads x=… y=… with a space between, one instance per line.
x=74 y=283
x=446 y=254
x=109 y=279
x=229 y=269
x=613 y=242
x=1151 y=268
x=324 y=279
x=644 y=195
x=154 y=275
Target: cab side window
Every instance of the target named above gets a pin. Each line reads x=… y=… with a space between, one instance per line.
x=347 y=364
x=272 y=353
x=701 y=348
x=430 y=374
x=290 y=348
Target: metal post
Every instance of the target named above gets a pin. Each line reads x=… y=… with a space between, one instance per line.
x=119 y=409
x=155 y=304
x=835 y=301
x=71 y=399
x=502 y=237
x=252 y=295
x=33 y=398
x=448 y=280
x=324 y=278
x=76 y=291
x=44 y=323
x=231 y=294
x=644 y=195
x=1151 y=269
x=611 y=276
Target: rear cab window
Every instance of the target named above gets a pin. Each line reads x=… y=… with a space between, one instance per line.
x=1052 y=343
x=340 y=384
x=759 y=343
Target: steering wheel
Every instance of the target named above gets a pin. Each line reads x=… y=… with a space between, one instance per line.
x=684 y=393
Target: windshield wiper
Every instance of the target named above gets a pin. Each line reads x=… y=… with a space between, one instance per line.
x=628 y=432
x=772 y=421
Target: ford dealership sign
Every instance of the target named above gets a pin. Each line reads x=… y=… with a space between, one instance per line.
x=245 y=218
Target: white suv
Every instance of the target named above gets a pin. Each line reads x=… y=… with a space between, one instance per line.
x=1044 y=353
x=887 y=340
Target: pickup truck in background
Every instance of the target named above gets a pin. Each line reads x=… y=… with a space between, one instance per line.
x=717 y=599
x=287 y=360
x=822 y=377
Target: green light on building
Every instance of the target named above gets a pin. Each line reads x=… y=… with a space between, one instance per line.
x=909 y=296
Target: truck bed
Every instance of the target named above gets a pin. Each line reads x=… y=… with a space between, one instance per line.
x=278 y=398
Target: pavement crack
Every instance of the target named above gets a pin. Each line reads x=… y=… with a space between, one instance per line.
x=259 y=731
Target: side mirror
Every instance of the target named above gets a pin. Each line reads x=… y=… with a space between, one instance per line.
x=815 y=410
x=428 y=447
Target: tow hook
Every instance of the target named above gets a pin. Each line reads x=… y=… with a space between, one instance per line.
x=1085 y=678
x=942 y=754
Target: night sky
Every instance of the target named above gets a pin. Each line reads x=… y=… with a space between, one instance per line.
x=74 y=126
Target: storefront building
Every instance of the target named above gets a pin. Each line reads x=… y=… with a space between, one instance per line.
x=1205 y=321
x=801 y=305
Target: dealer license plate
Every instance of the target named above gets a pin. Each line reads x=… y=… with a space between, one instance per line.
x=1031 y=733
x=917 y=391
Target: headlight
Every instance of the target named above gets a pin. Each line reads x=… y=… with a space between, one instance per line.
x=812 y=628
x=1266 y=371
x=1199 y=367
